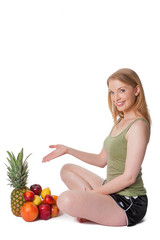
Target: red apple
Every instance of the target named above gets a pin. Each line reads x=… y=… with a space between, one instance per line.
x=54 y=211
x=36 y=188
x=29 y=196
x=44 y=211
x=49 y=199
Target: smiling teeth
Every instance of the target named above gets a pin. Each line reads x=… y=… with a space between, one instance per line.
x=120 y=103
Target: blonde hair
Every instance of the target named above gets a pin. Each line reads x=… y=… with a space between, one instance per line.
x=131 y=78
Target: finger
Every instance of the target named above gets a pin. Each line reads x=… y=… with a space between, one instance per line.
x=44 y=159
x=88 y=190
x=52 y=146
x=47 y=158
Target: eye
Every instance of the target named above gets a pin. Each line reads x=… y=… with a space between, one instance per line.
x=111 y=92
x=122 y=90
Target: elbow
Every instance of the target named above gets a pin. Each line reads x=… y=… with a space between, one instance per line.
x=102 y=159
x=130 y=179
x=102 y=163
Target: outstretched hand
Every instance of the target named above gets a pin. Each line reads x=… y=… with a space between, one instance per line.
x=59 y=151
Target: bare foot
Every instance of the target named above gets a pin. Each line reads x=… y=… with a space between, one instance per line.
x=82 y=220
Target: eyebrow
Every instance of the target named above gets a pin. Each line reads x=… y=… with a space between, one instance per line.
x=118 y=88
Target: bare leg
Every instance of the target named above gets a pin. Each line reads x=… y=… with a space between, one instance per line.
x=95 y=207
x=85 y=206
x=76 y=177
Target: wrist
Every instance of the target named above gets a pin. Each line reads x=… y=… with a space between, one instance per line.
x=68 y=150
x=99 y=190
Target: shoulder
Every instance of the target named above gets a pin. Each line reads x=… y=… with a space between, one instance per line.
x=139 y=129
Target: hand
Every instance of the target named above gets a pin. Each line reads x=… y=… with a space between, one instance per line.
x=59 y=151
x=91 y=190
x=88 y=190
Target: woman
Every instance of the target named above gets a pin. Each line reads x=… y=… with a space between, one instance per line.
x=121 y=199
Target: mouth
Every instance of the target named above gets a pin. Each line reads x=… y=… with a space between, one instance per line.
x=120 y=104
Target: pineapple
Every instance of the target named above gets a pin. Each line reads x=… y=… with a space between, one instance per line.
x=17 y=177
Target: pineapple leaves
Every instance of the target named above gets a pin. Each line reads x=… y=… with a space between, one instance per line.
x=20 y=157
x=28 y=157
x=11 y=163
x=12 y=158
x=17 y=171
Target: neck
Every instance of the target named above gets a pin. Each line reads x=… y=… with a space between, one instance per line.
x=130 y=115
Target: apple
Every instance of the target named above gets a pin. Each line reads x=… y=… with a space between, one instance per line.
x=54 y=211
x=49 y=199
x=44 y=211
x=29 y=196
x=36 y=188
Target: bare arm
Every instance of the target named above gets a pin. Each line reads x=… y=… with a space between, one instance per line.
x=138 y=137
x=99 y=160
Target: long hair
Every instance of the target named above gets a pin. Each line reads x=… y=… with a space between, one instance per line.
x=131 y=78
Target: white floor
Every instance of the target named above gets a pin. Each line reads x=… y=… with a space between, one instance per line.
x=67 y=227
x=64 y=226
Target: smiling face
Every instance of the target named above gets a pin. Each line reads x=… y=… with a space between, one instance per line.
x=123 y=96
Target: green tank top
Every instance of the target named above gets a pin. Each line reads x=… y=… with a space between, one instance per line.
x=116 y=149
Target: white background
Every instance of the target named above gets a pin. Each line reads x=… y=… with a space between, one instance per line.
x=55 y=58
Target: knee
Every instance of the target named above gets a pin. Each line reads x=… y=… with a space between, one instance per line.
x=65 y=201
x=64 y=170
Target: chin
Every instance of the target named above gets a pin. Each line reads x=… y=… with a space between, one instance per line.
x=124 y=108
x=121 y=109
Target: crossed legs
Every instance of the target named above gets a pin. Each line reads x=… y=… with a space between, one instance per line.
x=94 y=207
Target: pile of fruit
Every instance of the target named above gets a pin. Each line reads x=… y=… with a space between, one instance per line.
x=33 y=203
x=40 y=204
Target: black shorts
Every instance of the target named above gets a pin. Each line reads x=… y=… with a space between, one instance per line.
x=134 y=207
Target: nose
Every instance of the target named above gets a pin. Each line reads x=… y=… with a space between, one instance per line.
x=117 y=97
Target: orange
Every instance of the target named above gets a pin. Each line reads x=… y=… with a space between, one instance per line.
x=55 y=199
x=29 y=212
